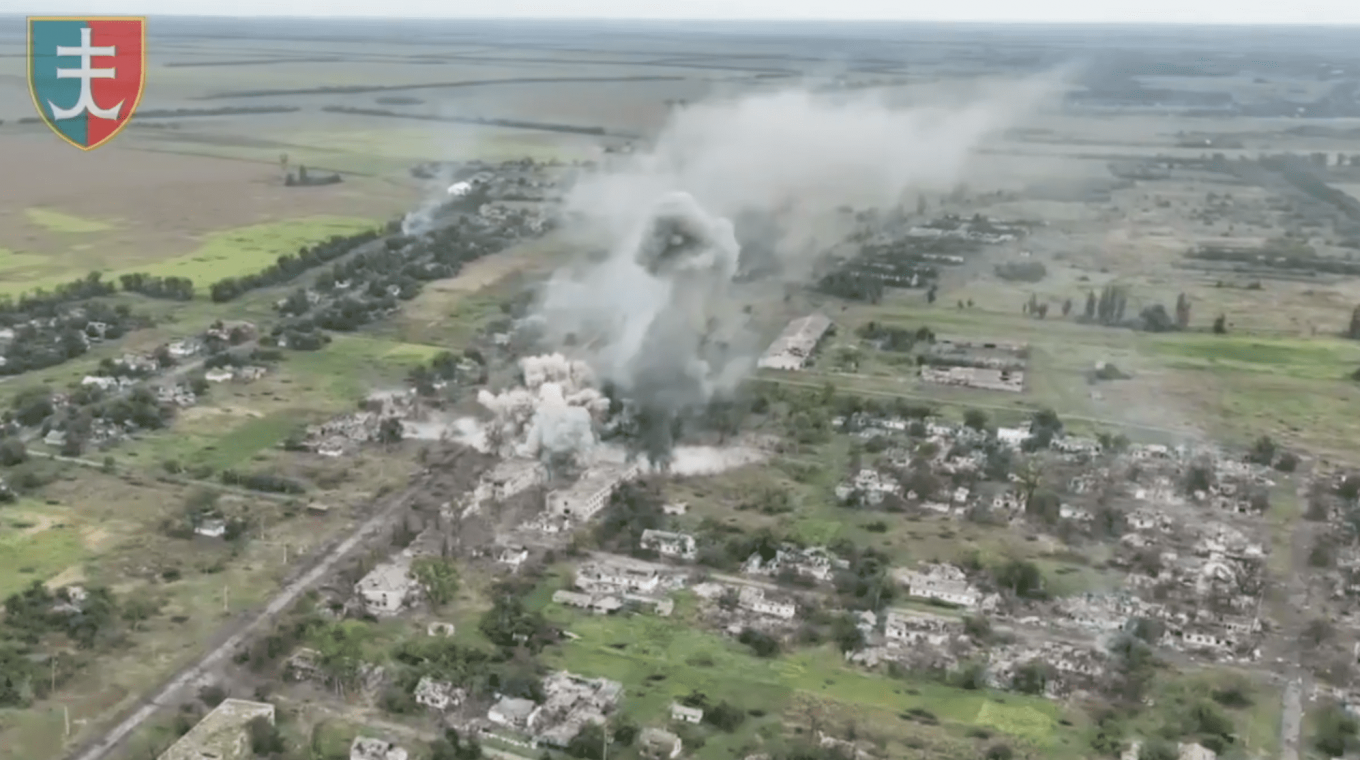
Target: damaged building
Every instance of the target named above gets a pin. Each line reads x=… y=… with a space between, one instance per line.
x=586 y=497
x=223 y=734
x=570 y=703
x=796 y=344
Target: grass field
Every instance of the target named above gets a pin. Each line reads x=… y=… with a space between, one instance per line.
x=228 y=253
x=37 y=542
x=659 y=660
x=98 y=528
x=1234 y=387
x=55 y=221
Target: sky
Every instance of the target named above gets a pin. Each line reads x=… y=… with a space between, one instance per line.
x=1313 y=12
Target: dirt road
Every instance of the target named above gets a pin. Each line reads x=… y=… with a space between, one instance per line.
x=234 y=634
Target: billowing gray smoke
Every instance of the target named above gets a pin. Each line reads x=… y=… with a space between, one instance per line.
x=650 y=310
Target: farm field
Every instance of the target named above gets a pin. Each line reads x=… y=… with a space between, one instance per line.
x=227 y=475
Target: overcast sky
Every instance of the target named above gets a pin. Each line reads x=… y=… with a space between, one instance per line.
x=1321 y=12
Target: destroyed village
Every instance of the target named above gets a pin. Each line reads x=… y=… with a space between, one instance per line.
x=806 y=393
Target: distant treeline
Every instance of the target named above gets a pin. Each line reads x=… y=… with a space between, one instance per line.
x=356 y=89
x=52 y=327
x=251 y=62
x=1275 y=260
x=512 y=123
x=42 y=303
x=1297 y=172
x=183 y=113
x=263 y=481
x=290 y=265
x=169 y=288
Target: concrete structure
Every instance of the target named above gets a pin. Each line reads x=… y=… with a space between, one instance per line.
x=438 y=628
x=660 y=744
x=753 y=599
x=368 y=748
x=620 y=576
x=438 y=695
x=572 y=702
x=790 y=351
x=511 y=713
x=599 y=604
x=587 y=496
x=223 y=734
x=1009 y=380
x=667 y=544
x=684 y=714
x=212 y=528
x=387 y=588
x=912 y=627
x=508 y=478
x=944 y=583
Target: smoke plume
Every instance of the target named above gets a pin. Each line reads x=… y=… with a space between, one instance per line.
x=656 y=311
x=552 y=415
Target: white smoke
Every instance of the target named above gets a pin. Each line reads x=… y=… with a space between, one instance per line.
x=654 y=305
x=552 y=414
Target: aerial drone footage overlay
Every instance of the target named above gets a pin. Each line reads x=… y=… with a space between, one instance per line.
x=435 y=390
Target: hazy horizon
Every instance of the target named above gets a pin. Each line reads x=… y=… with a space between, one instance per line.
x=1320 y=13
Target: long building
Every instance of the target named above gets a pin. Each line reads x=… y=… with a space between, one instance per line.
x=796 y=343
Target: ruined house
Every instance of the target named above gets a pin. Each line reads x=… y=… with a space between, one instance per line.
x=868 y=486
x=600 y=604
x=814 y=562
x=587 y=496
x=945 y=583
x=511 y=712
x=685 y=714
x=659 y=744
x=388 y=587
x=571 y=702
x=223 y=734
x=508 y=478
x=626 y=576
x=793 y=347
x=368 y=748
x=667 y=544
x=1008 y=380
x=438 y=695
x=911 y=628
x=753 y=598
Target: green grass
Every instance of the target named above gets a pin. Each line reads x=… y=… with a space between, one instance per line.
x=227 y=253
x=232 y=253
x=1175 y=694
x=349 y=367
x=29 y=553
x=56 y=221
x=1311 y=359
x=245 y=439
x=13 y=260
x=637 y=650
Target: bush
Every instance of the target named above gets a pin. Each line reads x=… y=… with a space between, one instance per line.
x=1021 y=271
x=761 y=644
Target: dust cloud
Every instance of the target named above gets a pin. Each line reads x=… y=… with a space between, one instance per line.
x=656 y=312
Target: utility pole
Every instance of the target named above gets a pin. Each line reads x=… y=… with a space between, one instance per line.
x=226 y=598
x=54 y=674
x=66 y=717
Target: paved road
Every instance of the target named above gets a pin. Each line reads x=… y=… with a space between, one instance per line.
x=240 y=631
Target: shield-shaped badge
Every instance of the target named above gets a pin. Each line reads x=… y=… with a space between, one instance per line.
x=86 y=74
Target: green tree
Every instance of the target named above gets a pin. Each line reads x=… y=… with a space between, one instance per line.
x=439 y=578
x=1336 y=731
x=975 y=419
x=1157 y=749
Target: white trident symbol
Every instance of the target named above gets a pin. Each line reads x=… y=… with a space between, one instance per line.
x=85 y=73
